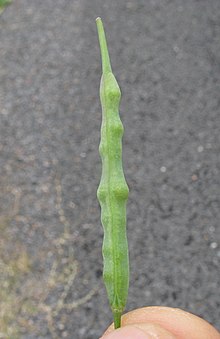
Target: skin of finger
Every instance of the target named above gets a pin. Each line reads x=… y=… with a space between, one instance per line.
x=178 y=322
x=140 y=331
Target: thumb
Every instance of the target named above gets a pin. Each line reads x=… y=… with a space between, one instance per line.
x=140 y=331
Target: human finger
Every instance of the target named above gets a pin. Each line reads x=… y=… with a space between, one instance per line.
x=177 y=322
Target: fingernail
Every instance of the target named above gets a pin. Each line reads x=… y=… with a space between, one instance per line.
x=140 y=331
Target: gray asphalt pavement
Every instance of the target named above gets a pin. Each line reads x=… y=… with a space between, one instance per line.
x=165 y=56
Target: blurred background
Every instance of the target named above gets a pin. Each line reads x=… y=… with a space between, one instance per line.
x=165 y=56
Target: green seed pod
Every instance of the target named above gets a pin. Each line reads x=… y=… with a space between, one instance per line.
x=113 y=190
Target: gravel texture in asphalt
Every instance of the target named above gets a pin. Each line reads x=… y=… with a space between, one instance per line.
x=165 y=55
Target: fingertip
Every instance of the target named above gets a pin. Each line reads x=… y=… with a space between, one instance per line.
x=177 y=322
x=140 y=331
